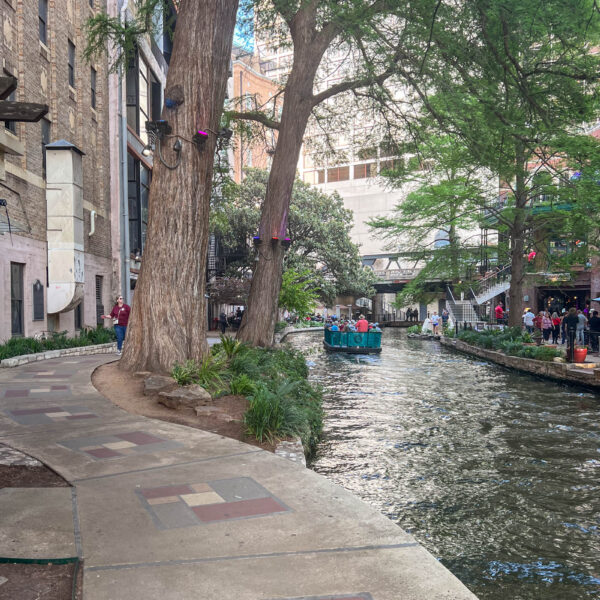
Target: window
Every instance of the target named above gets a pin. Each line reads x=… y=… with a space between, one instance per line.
x=78 y=316
x=138 y=193
x=365 y=170
x=71 y=64
x=338 y=174
x=144 y=101
x=43 y=20
x=38 y=301
x=16 y=299
x=99 y=305
x=93 y=87
x=11 y=125
x=45 y=124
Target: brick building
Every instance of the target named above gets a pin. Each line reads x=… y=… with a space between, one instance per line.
x=252 y=89
x=56 y=269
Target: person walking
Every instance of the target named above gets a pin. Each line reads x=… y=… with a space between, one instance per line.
x=594 y=323
x=223 y=322
x=528 y=319
x=120 y=318
x=582 y=322
x=499 y=310
x=546 y=325
x=555 y=327
x=435 y=322
x=571 y=322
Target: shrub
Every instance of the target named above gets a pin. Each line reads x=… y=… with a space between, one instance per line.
x=280 y=326
x=242 y=385
x=186 y=373
x=230 y=346
x=264 y=418
x=414 y=329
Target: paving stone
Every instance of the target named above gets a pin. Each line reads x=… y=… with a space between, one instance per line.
x=238 y=510
x=176 y=514
x=186 y=396
x=158 y=383
x=239 y=488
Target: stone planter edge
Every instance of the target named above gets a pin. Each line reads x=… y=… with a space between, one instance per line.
x=23 y=359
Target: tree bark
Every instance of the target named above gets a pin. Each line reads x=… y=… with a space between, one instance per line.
x=517 y=238
x=168 y=319
x=258 y=323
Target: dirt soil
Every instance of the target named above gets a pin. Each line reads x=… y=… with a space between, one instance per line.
x=126 y=390
x=21 y=476
x=32 y=582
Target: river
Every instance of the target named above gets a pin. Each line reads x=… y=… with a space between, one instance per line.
x=496 y=473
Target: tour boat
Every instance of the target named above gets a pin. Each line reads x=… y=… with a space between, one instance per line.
x=353 y=342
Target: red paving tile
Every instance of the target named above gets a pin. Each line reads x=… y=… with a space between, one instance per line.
x=103 y=453
x=235 y=510
x=16 y=393
x=138 y=437
x=36 y=411
x=163 y=492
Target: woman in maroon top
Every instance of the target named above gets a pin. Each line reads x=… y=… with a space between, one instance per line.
x=120 y=316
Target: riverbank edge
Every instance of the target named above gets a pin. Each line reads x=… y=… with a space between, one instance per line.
x=279 y=337
x=564 y=372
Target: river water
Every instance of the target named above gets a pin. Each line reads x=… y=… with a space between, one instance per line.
x=496 y=473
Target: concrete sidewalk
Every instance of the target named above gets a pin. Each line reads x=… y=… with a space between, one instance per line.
x=162 y=511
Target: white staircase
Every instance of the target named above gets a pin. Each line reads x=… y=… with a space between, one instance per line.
x=491 y=286
x=461 y=311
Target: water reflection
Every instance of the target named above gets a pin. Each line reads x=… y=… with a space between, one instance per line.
x=496 y=473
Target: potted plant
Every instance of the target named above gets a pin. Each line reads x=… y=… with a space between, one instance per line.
x=579 y=354
x=537 y=336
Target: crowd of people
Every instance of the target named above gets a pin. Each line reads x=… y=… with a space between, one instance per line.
x=361 y=325
x=584 y=328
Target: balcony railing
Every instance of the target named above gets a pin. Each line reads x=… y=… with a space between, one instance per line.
x=393 y=274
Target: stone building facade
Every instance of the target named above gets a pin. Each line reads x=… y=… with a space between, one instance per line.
x=58 y=255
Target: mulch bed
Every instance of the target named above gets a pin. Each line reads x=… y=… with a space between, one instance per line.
x=34 y=582
x=25 y=477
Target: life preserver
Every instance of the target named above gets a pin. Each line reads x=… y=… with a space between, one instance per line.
x=358 y=338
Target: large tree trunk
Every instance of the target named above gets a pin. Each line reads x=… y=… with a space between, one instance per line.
x=258 y=323
x=168 y=320
x=517 y=239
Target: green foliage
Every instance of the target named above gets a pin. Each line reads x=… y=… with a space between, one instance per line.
x=56 y=341
x=264 y=418
x=209 y=373
x=510 y=341
x=318 y=226
x=298 y=292
x=414 y=329
x=104 y=32
x=280 y=326
x=242 y=385
x=230 y=346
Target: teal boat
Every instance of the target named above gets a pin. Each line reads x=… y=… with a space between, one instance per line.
x=352 y=342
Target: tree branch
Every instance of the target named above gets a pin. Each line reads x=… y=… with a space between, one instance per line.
x=258 y=117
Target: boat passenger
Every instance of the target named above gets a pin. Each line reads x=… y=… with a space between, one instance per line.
x=362 y=325
x=334 y=327
x=376 y=328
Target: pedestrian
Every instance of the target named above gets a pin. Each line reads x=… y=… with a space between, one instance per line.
x=435 y=322
x=555 y=327
x=546 y=325
x=120 y=318
x=571 y=322
x=594 y=323
x=499 y=310
x=445 y=318
x=528 y=319
x=582 y=322
x=223 y=322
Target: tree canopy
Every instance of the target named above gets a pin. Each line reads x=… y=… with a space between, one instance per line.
x=319 y=231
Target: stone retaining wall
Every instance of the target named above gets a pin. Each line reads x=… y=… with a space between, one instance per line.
x=559 y=371
x=282 y=334
x=15 y=361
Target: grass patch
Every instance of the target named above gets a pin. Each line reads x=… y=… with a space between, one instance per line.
x=510 y=341
x=56 y=341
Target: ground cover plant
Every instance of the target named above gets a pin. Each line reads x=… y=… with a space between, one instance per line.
x=510 y=341
x=56 y=341
x=282 y=401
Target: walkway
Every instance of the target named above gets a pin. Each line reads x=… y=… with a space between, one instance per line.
x=161 y=511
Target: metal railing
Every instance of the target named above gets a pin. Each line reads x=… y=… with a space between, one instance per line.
x=494 y=283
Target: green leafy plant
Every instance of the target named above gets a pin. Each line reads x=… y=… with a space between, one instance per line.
x=280 y=326
x=265 y=417
x=414 y=329
x=242 y=385
x=230 y=346
x=186 y=373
